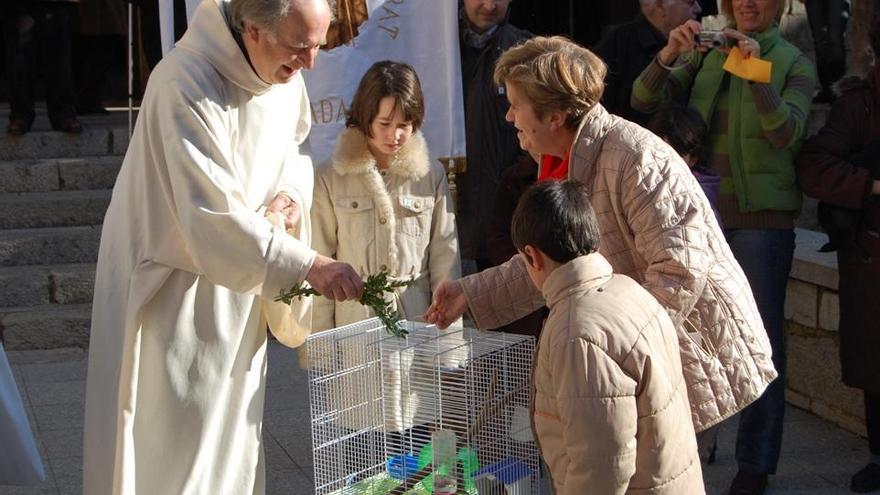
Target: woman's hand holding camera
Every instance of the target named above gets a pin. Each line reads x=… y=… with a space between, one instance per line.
x=687 y=37
x=681 y=40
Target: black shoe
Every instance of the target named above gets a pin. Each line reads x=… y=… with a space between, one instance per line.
x=748 y=484
x=866 y=480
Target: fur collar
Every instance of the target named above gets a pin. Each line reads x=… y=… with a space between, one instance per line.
x=353 y=157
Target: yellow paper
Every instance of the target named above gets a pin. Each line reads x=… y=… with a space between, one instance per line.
x=751 y=69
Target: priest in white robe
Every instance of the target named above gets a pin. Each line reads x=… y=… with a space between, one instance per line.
x=189 y=264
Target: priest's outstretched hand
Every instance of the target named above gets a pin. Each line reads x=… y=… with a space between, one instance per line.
x=335 y=279
x=448 y=305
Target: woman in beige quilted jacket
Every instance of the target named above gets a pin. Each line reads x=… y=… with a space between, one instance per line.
x=657 y=227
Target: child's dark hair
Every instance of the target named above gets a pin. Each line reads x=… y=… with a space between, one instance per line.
x=387 y=78
x=680 y=126
x=557 y=218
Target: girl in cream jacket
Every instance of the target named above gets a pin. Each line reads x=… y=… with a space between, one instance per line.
x=380 y=203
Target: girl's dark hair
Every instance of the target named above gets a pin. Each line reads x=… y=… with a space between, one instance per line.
x=386 y=78
x=557 y=218
x=680 y=126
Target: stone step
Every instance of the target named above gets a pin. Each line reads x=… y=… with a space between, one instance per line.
x=46 y=327
x=59 y=174
x=94 y=141
x=50 y=284
x=49 y=246
x=53 y=209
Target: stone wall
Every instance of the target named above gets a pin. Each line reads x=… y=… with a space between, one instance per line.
x=811 y=314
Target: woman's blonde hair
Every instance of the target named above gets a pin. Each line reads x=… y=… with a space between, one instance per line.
x=727 y=10
x=555 y=74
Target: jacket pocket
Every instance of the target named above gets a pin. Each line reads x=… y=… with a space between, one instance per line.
x=355 y=219
x=415 y=215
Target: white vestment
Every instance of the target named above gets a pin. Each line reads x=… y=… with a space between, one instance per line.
x=187 y=271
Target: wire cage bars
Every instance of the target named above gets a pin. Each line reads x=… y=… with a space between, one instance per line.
x=385 y=408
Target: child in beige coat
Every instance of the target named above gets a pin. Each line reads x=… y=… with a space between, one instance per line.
x=610 y=407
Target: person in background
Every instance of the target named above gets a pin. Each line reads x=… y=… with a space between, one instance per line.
x=629 y=48
x=603 y=420
x=40 y=31
x=190 y=263
x=491 y=142
x=683 y=128
x=657 y=228
x=755 y=129
x=381 y=203
x=841 y=167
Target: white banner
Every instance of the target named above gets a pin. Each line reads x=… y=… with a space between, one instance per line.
x=422 y=33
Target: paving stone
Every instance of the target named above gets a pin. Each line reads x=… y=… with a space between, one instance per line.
x=63 y=443
x=797 y=399
x=50 y=393
x=841 y=415
x=59 y=417
x=292 y=429
x=45 y=488
x=283 y=476
x=53 y=209
x=68 y=475
x=29 y=175
x=56 y=245
x=64 y=356
x=72 y=370
x=47 y=327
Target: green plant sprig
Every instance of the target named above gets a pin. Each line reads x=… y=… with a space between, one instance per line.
x=375 y=287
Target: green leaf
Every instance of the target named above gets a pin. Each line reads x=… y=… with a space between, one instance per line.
x=374 y=287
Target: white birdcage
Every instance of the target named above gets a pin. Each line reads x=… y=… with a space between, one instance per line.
x=377 y=401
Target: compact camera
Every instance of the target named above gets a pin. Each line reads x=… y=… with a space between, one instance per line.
x=713 y=39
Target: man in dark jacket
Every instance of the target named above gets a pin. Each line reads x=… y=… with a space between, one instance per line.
x=492 y=145
x=630 y=48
